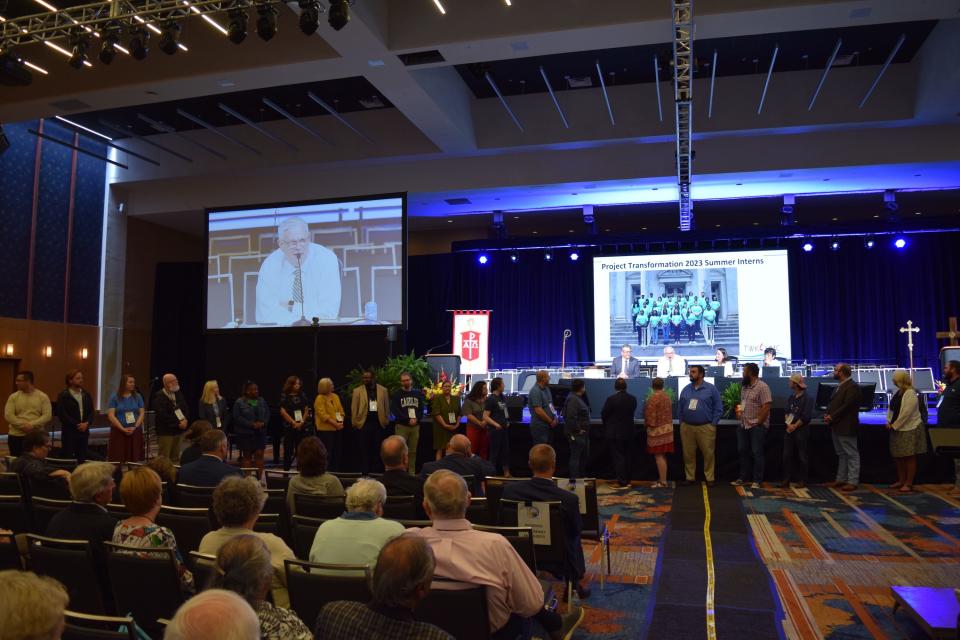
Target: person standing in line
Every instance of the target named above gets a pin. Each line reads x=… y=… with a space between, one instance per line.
x=700 y=409
x=170 y=417
x=843 y=416
x=908 y=438
x=618 y=423
x=370 y=412
x=576 y=426
x=27 y=409
x=658 y=420
x=543 y=417
x=477 y=431
x=408 y=406
x=495 y=415
x=250 y=417
x=328 y=417
x=799 y=413
x=754 y=415
x=948 y=410
x=445 y=410
x=214 y=407
x=125 y=414
x=76 y=414
x=295 y=413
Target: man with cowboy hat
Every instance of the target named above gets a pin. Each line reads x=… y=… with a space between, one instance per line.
x=799 y=411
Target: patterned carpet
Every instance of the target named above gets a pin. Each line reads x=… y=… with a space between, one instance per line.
x=834 y=556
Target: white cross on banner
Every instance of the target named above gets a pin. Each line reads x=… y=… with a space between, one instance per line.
x=471 y=340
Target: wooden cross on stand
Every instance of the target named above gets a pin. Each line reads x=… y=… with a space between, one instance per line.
x=952 y=334
x=910 y=330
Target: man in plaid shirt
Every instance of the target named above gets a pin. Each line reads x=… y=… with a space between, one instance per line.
x=754 y=414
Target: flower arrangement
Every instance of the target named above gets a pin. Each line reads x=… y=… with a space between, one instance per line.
x=436 y=389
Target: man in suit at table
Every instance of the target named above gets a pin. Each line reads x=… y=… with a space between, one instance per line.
x=625 y=365
x=843 y=416
x=209 y=469
x=618 y=421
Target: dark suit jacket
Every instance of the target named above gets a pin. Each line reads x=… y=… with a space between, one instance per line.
x=69 y=412
x=617 y=415
x=543 y=490
x=474 y=466
x=165 y=410
x=206 y=471
x=190 y=454
x=844 y=409
x=633 y=367
x=401 y=483
x=90 y=522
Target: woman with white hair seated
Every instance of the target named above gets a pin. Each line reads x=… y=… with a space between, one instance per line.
x=908 y=438
x=214 y=614
x=31 y=606
x=236 y=504
x=243 y=566
x=357 y=536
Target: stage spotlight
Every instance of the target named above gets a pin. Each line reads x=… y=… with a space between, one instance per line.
x=808 y=247
x=237 y=27
x=309 y=16
x=170 y=38
x=574 y=256
x=139 y=42
x=339 y=14
x=869 y=243
x=835 y=245
x=483 y=258
x=111 y=38
x=548 y=256
x=514 y=257
x=79 y=52
x=900 y=243
x=267 y=21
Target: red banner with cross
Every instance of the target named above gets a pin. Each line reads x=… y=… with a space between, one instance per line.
x=471 y=340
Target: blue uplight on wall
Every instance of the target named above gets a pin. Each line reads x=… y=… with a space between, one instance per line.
x=574 y=256
x=808 y=247
x=869 y=243
x=900 y=243
x=514 y=257
x=483 y=258
x=835 y=245
x=548 y=256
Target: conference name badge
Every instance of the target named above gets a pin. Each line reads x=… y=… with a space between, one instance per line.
x=128 y=417
x=789 y=418
x=373 y=405
x=451 y=418
x=298 y=415
x=219 y=423
x=339 y=417
x=693 y=404
x=411 y=413
x=179 y=414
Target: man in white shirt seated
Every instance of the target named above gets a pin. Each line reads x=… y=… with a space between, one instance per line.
x=671 y=364
x=299 y=272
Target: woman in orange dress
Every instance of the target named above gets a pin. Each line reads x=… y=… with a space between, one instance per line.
x=658 y=420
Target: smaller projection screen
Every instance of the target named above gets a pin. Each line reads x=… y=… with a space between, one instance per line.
x=330 y=262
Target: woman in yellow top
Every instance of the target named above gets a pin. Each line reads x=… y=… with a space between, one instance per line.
x=445 y=410
x=328 y=415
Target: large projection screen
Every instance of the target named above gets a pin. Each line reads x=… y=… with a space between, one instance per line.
x=743 y=296
x=339 y=262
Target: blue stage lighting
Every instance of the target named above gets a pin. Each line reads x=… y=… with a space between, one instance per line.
x=483 y=258
x=808 y=247
x=514 y=257
x=900 y=243
x=869 y=243
x=835 y=245
x=574 y=256
x=548 y=256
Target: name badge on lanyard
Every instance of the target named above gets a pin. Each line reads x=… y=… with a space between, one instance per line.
x=298 y=415
x=339 y=417
x=373 y=406
x=411 y=413
x=179 y=414
x=452 y=418
x=693 y=404
x=219 y=423
x=128 y=417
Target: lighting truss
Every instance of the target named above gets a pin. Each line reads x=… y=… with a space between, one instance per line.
x=62 y=24
x=683 y=98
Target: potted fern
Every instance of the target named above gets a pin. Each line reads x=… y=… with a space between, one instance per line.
x=731 y=399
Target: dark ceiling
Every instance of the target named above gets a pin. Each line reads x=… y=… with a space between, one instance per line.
x=344 y=95
x=799 y=50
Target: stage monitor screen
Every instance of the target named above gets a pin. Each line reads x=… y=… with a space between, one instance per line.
x=695 y=302
x=333 y=263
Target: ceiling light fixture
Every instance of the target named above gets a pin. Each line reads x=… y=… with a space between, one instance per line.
x=440 y=8
x=237 y=29
x=80 y=126
x=213 y=23
x=267 y=22
x=46 y=5
x=111 y=38
x=63 y=51
x=78 y=55
x=34 y=67
x=170 y=40
x=309 y=16
x=139 y=43
x=339 y=14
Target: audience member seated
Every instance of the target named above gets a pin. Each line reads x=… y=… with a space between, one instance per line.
x=397 y=480
x=460 y=459
x=164 y=468
x=236 y=504
x=194 y=433
x=243 y=566
x=401 y=580
x=514 y=594
x=31 y=464
x=142 y=495
x=214 y=614
x=357 y=536
x=31 y=606
x=542 y=488
x=312 y=478
x=209 y=469
x=91 y=486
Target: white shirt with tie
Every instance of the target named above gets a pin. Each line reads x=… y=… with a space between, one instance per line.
x=667 y=367
x=320 y=281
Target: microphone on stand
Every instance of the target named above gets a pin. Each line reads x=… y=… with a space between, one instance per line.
x=302 y=322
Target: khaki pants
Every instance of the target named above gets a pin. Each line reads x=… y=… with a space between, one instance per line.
x=412 y=436
x=703 y=437
x=169 y=446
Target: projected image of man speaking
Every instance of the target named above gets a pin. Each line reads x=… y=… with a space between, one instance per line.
x=299 y=271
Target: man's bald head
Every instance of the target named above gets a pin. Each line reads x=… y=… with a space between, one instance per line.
x=394 y=452
x=445 y=496
x=459 y=444
x=170 y=382
x=404 y=570
x=543 y=460
x=214 y=614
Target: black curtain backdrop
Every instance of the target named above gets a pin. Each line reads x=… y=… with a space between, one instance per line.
x=177 y=338
x=845 y=305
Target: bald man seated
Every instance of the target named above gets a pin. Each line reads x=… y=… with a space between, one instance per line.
x=398 y=481
x=542 y=488
x=460 y=459
x=465 y=555
x=214 y=614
